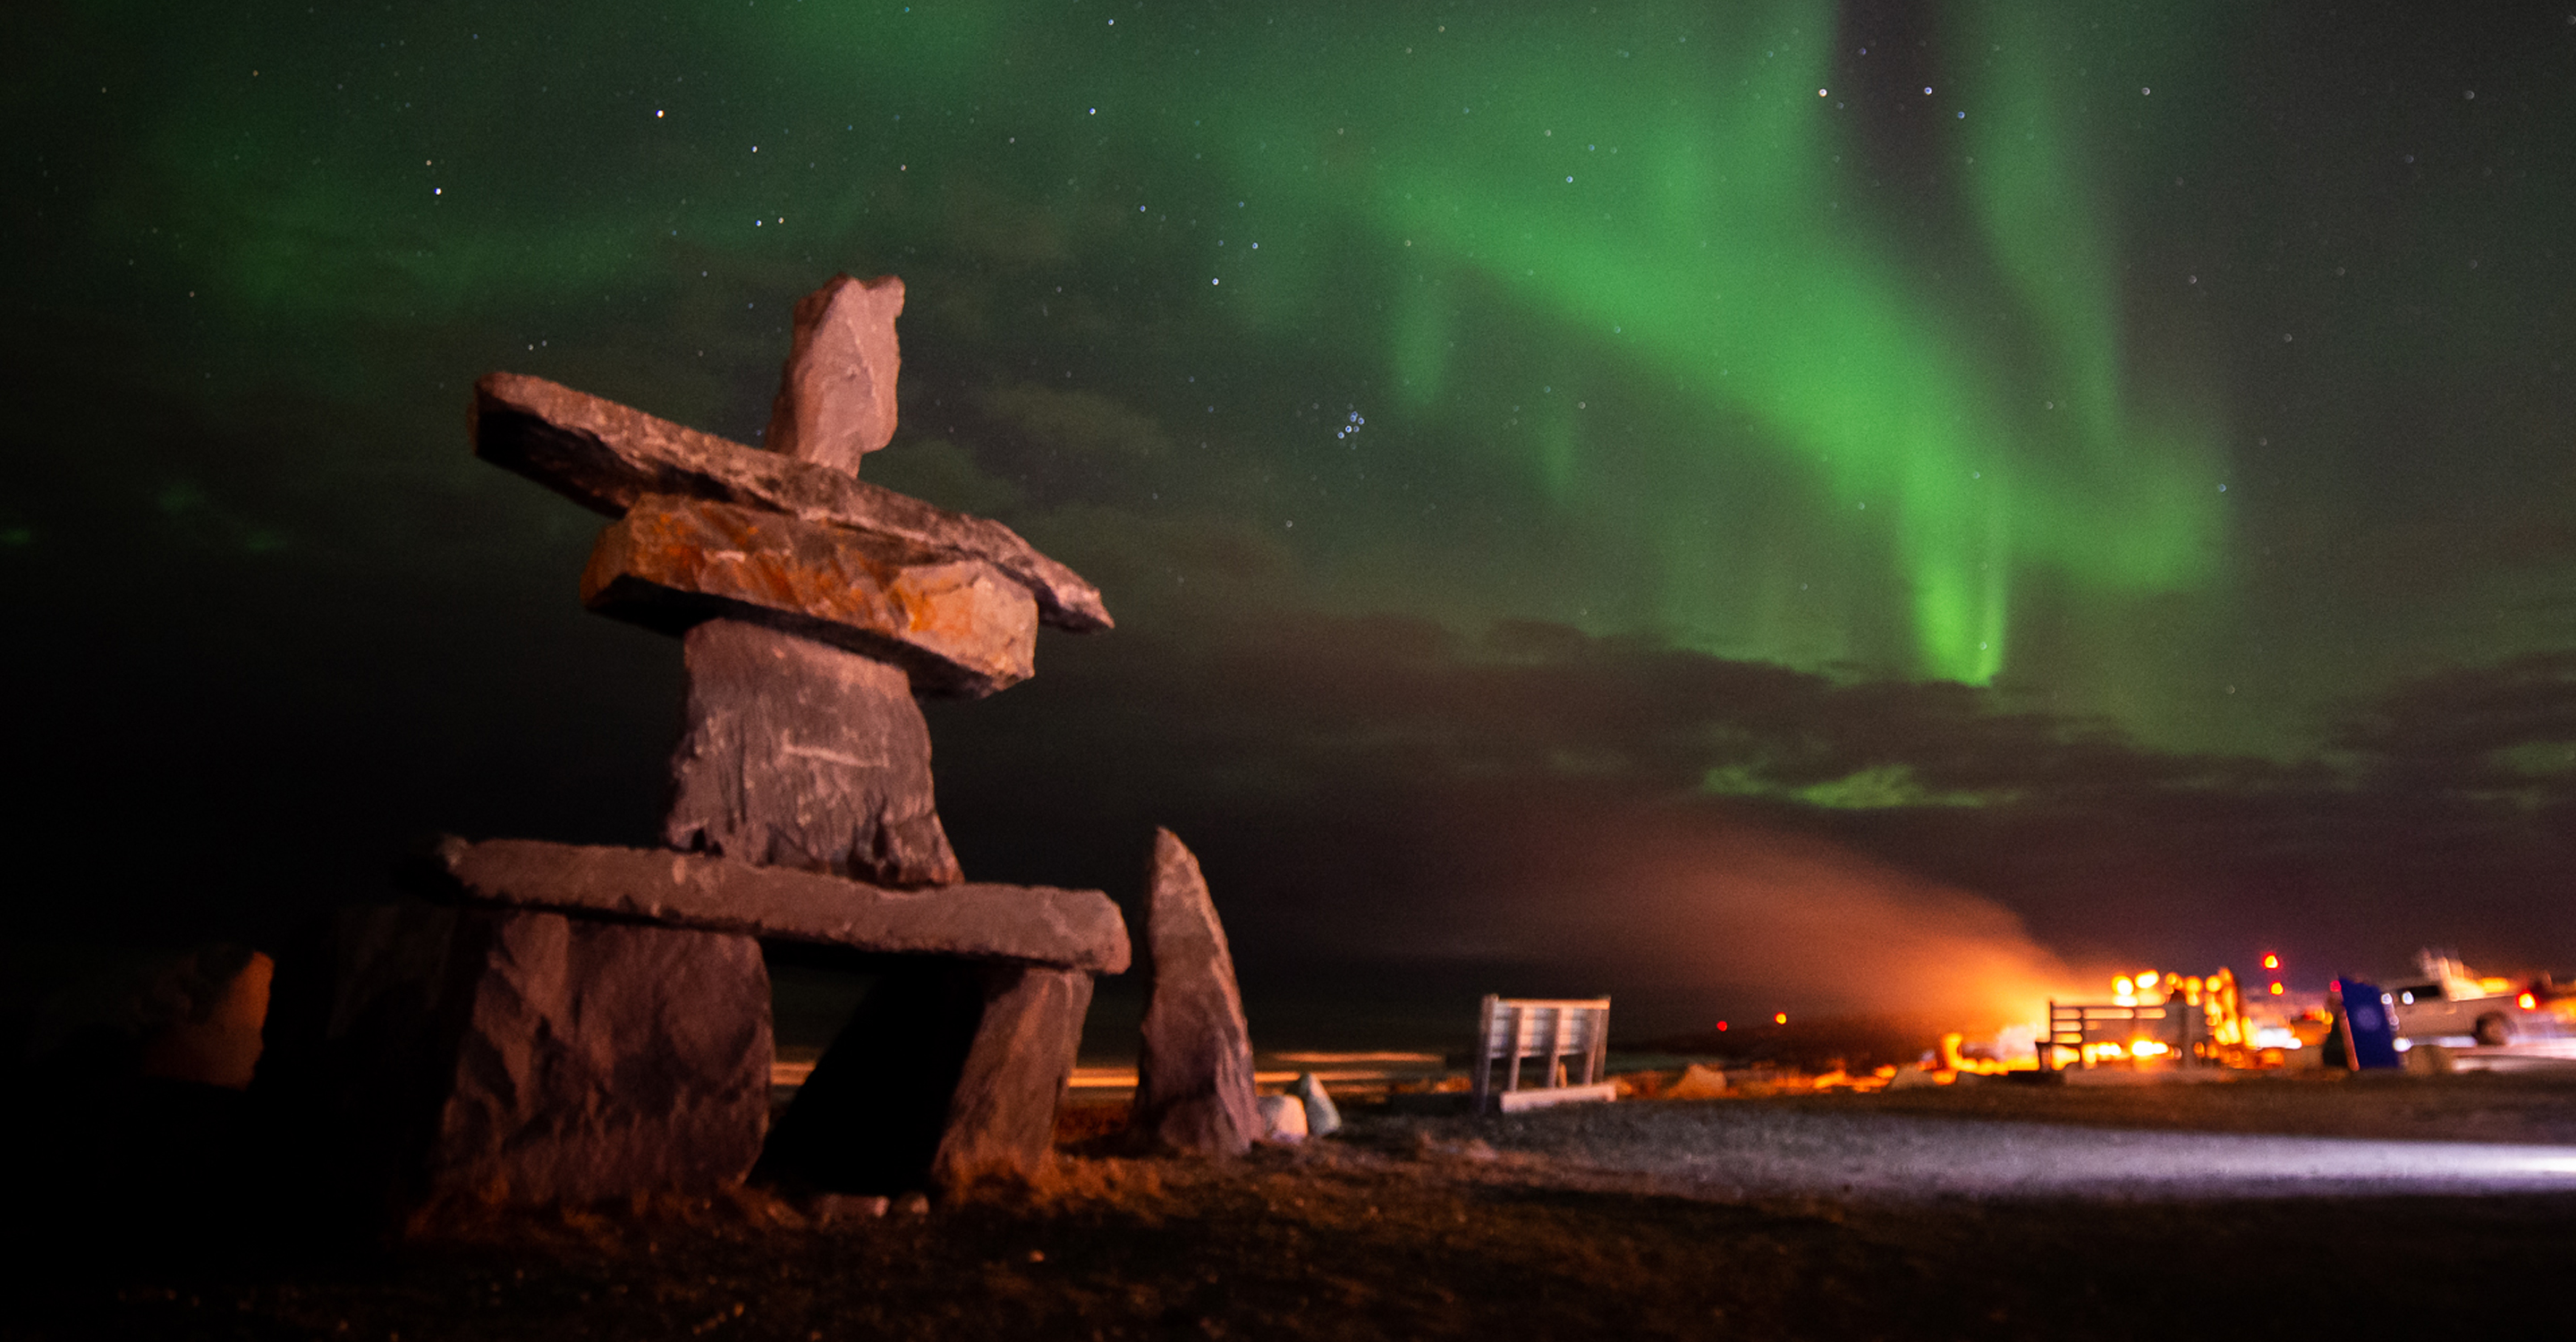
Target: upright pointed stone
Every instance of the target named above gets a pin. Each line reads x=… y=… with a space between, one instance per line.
x=1194 y=1066
x=836 y=395
x=799 y=754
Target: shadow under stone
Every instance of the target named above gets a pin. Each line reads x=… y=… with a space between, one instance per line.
x=870 y=1117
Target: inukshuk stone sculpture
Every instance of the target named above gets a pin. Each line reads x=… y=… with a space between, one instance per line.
x=606 y=1011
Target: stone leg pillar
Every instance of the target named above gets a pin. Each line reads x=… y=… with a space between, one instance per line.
x=949 y=1073
x=438 y=1054
x=1001 y=1121
x=869 y=1117
x=599 y=1060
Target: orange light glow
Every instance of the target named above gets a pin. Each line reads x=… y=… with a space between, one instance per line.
x=2527 y=1002
x=1780 y=1018
x=2276 y=989
x=2147 y=981
x=2271 y=962
x=2124 y=986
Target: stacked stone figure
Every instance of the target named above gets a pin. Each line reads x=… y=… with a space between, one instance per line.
x=590 y=1022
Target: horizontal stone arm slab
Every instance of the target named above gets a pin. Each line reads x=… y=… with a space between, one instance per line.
x=956 y=626
x=1033 y=924
x=605 y=456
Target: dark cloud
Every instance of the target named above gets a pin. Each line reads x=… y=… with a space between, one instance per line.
x=1386 y=786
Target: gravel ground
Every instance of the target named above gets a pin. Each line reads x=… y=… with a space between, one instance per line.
x=1735 y=1149
x=1682 y=1220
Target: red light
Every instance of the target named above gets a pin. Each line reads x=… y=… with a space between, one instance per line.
x=1780 y=1018
x=2527 y=1002
x=2276 y=990
x=1721 y=1027
x=2271 y=962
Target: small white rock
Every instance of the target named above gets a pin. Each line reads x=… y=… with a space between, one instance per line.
x=1323 y=1119
x=1283 y=1118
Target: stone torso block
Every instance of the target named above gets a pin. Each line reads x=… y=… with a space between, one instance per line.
x=798 y=754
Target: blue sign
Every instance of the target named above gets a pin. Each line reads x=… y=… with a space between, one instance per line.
x=2369 y=1024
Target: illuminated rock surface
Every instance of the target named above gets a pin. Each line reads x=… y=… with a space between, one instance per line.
x=798 y=755
x=1323 y=1117
x=836 y=395
x=956 y=626
x=1074 y=929
x=519 y=1057
x=607 y=456
x=1001 y=1118
x=1194 y=1066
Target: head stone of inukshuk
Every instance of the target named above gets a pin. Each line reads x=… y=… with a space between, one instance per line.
x=812 y=606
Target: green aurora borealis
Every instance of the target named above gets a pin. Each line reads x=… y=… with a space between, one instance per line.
x=2191 y=373
x=1623 y=277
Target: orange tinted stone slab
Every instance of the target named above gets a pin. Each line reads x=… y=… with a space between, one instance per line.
x=957 y=626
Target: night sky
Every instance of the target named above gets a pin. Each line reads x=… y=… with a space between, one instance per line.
x=1773 y=504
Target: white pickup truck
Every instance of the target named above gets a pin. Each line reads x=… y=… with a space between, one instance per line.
x=2454 y=1007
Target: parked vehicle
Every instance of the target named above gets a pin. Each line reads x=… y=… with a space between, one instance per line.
x=2454 y=1007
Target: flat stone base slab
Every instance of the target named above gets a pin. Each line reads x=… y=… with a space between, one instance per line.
x=1033 y=924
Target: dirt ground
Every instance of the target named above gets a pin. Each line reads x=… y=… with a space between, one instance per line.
x=1431 y=1227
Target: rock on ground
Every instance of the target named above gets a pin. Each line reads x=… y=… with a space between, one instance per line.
x=1194 y=1063
x=796 y=754
x=190 y=1016
x=1283 y=1118
x=1323 y=1117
